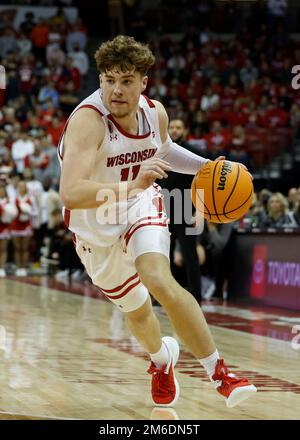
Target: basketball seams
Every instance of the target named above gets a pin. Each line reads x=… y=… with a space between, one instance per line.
x=229 y=212
x=199 y=198
x=213 y=189
x=233 y=188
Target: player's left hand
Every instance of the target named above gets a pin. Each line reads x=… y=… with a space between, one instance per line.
x=223 y=158
x=244 y=166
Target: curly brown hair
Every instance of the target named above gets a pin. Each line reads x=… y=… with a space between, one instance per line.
x=125 y=53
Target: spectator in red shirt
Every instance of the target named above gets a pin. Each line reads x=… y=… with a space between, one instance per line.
x=237 y=151
x=234 y=86
x=218 y=139
x=275 y=117
x=45 y=116
x=39 y=38
x=263 y=107
x=226 y=98
x=55 y=129
x=69 y=73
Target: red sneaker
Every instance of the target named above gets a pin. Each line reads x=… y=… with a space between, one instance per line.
x=165 y=388
x=233 y=388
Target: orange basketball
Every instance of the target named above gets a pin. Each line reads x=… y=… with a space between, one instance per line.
x=227 y=191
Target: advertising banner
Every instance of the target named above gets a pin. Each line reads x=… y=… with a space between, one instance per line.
x=267 y=268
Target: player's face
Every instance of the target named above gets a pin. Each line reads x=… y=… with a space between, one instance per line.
x=121 y=91
x=176 y=130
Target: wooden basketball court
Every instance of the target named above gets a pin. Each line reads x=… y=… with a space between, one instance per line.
x=68 y=355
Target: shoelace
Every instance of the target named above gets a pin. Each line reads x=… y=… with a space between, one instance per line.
x=153 y=369
x=160 y=377
x=223 y=375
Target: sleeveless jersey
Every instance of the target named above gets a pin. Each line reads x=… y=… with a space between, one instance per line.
x=118 y=159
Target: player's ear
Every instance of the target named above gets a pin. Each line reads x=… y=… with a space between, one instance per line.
x=100 y=79
x=144 y=82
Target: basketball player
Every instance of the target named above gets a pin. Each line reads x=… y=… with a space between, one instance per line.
x=116 y=139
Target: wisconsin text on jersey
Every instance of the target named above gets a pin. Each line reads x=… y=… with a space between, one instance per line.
x=135 y=156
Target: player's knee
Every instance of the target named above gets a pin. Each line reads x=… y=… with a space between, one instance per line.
x=162 y=289
x=140 y=318
x=158 y=279
x=155 y=282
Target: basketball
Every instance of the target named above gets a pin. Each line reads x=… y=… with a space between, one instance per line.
x=228 y=191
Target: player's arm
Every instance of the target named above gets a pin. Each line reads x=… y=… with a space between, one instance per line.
x=180 y=159
x=83 y=138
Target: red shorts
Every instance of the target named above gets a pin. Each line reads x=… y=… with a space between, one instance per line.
x=21 y=229
x=4 y=231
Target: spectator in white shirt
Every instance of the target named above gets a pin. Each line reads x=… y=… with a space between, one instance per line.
x=79 y=59
x=35 y=190
x=176 y=64
x=12 y=186
x=49 y=202
x=24 y=44
x=158 y=89
x=277 y=8
x=21 y=148
x=55 y=55
x=209 y=100
x=76 y=36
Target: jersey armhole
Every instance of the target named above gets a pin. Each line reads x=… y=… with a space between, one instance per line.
x=60 y=154
x=149 y=102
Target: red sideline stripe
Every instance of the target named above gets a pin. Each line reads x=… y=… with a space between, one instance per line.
x=150 y=103
x=66 y=124
x=67 y=214
x=125 y=291
x=141 y=226
x=121 y=286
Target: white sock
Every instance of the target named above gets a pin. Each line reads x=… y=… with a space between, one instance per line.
x=209 y=363
x=160 y=358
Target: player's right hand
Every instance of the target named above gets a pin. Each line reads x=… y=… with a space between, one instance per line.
x=151 y=169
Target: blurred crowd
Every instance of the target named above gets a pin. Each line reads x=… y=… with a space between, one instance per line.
x=273 y=210
x=46 y=64
x=227 y=89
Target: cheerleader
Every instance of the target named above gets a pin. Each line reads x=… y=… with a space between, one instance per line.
x=22 y=228
x=8 y=212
